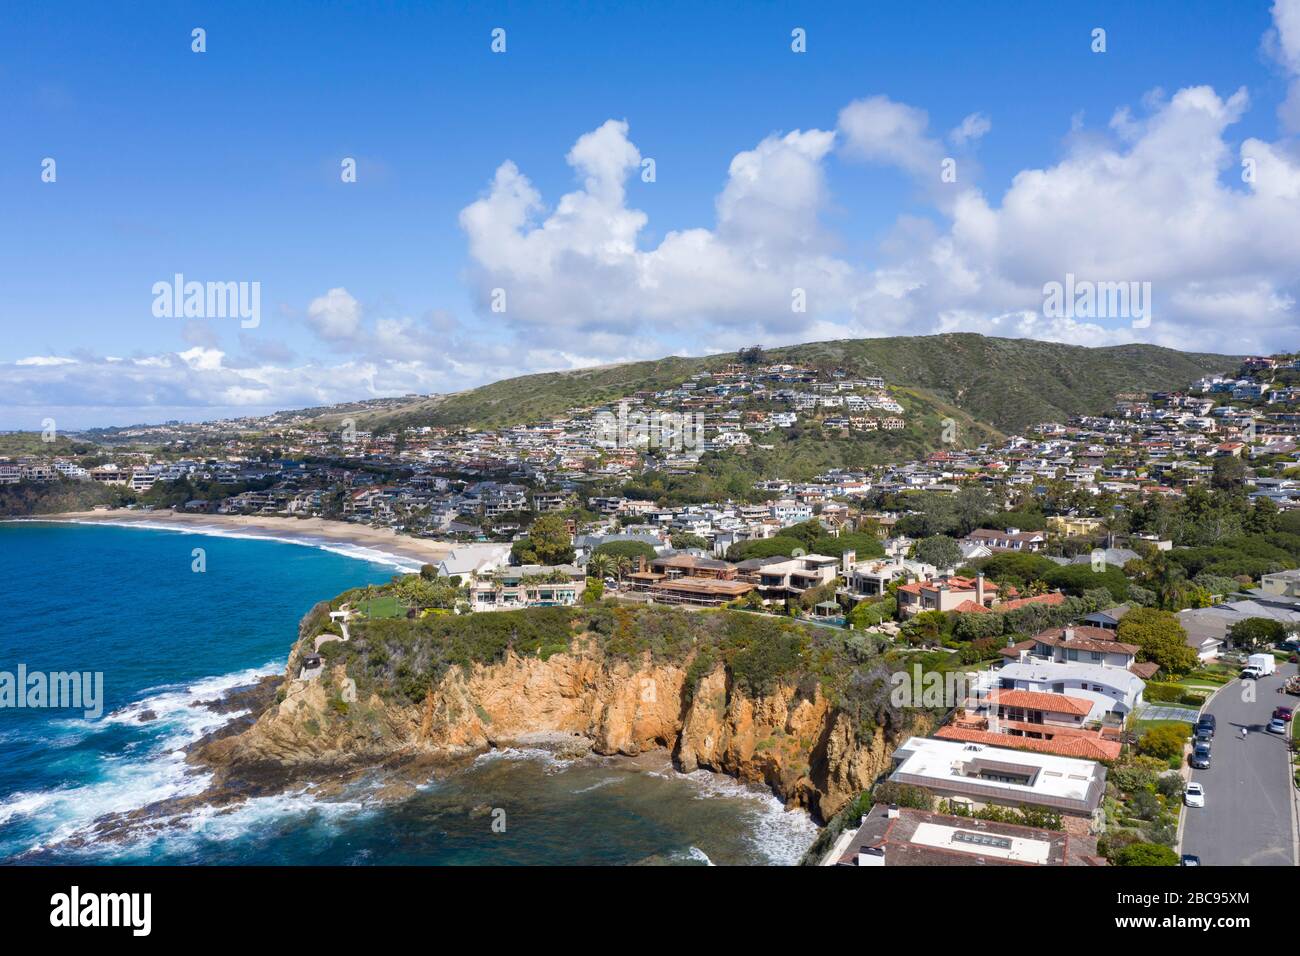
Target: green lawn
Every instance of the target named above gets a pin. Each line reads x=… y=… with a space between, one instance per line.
x=381 y=607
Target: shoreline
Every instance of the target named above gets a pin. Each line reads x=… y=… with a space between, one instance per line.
x=362 y=542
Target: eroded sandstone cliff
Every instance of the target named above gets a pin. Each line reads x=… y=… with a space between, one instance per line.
x=792 y=740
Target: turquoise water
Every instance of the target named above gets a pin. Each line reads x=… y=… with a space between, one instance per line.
x=125 y=602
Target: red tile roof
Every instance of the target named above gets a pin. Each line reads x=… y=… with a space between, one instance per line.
x=1037 y=700
x=1087 y=748
x=1052 y=600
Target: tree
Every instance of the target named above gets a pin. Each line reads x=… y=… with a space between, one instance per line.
x=1256 y=632
x=927 y=627
x=1145 y=854
x=601 y=566
x=1263 y=518
x=548 y=542
x=1081 y=578
x=632 y=550
x=939 y=550
x=1159 y=637
x=684 y=539
x=1163 y=741
x=872 y=613
x=970 y=506
x=1228 y=474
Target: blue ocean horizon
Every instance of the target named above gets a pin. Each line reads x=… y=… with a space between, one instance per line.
x=125 y=602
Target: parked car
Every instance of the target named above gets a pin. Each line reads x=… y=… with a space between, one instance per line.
x=1200 y=758
x=1277 y=726
x=1194 y=795
x=1203 y=733
x=1189 y=859
x=1205 y=722
x=1284 y=713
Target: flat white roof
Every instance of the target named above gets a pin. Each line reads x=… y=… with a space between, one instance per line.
x=948 y=762
x=982 y=843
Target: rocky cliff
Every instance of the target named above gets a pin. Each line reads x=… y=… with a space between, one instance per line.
x=792 y=739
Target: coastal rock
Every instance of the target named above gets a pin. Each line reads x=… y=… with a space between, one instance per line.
x=791 y=740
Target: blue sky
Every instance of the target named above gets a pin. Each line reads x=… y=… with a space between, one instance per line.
x=224 y=166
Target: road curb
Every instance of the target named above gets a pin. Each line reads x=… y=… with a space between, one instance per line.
x=1182 y=808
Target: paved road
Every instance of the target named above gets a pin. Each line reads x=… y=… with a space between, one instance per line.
x=1248 y=818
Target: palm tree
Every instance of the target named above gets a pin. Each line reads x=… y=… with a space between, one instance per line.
x=600 y=566
x=624 y=567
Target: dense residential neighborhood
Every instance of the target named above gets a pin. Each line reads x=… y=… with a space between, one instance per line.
x=1084 y=592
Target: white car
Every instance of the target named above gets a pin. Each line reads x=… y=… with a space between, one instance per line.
x=1194 y=795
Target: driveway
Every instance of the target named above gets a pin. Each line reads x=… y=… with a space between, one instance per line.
x=1249 y=814
x=1160 y=712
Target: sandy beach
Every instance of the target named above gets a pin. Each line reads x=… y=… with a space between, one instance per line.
x=357 y=539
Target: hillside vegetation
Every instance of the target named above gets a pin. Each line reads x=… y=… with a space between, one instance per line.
x=1006 y=384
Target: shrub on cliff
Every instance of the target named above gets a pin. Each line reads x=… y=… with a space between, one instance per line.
x=1144 y=854
x=903 y=794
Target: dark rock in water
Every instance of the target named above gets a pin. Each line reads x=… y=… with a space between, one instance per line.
x=256 y=697
x=253 y=699
x=147 y=716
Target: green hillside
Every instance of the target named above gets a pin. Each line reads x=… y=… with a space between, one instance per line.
x=1008 y=384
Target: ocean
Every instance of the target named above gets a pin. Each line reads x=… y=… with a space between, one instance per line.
x=125 y=601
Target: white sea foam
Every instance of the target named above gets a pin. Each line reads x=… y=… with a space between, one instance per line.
x=258 y=815
x=598 y=784
x=696 y=853
x=129 y=782
x=549 y=761
x=22 y=804
x=779 y=834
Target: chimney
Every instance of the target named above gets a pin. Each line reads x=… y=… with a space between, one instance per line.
x=979 y=588
x=1069 y=633
x=640 y=563
x=1023 y=655
x=847 y=560
x=871 y=856
x=892 y=811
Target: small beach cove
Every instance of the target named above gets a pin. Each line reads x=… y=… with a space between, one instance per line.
x=174 y=645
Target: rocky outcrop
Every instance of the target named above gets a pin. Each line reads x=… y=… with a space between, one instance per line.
x=800 y=746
